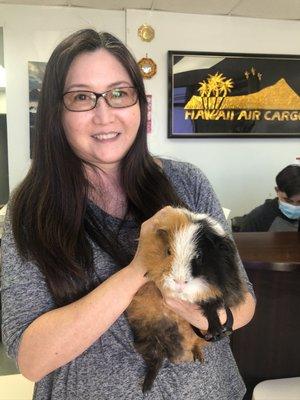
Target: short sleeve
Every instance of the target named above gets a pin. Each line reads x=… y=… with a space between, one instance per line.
x=24 y=293
x=205 y=198
x=195 y=190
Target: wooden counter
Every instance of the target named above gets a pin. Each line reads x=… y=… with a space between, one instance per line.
x=269 y=249
x=269 y=347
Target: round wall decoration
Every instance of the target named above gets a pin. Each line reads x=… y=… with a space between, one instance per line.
x=146 y=32
x=148 y=67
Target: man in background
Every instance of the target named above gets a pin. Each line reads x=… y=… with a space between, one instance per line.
x=281 y=213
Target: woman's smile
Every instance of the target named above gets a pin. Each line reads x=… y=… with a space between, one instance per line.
x=106 y=137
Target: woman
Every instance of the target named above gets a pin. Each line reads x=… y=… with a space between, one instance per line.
x=70 y=265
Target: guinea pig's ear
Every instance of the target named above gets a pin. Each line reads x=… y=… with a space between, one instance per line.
x=163 y=234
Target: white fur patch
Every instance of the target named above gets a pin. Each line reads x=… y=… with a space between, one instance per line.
x=193 y=290
x=184 y=248
x=180 y=281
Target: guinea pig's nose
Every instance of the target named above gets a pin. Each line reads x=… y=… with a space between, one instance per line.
x=180 y=283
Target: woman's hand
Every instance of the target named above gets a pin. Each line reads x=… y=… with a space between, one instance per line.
x=188 y=311
x=148 y=229
x=242 y=313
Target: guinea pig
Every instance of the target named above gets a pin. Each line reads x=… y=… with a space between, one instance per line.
x=189 y=257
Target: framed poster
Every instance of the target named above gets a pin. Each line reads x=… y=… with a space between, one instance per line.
x=233 y=95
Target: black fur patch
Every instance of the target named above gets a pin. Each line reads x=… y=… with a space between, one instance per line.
x=210 y=311
x=216 y=261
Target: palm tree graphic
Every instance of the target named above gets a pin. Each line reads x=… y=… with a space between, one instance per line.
x=214 y=90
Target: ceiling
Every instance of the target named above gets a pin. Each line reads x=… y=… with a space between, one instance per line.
x=272 y=9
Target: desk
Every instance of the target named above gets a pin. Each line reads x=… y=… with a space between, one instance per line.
x=269 y=249
x=269 y=347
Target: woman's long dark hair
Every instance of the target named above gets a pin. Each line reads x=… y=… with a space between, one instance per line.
x=51 y=219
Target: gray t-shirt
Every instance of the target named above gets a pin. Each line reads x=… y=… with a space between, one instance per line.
x=111 y=368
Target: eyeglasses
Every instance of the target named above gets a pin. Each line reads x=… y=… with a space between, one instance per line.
x=85 y=100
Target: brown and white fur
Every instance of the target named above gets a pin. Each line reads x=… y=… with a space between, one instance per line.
x=190 y=257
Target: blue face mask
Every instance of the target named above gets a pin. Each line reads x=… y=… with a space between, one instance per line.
x=289 y=210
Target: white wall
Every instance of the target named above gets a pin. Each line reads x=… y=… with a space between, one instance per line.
x=2 y=101
x=241 y=170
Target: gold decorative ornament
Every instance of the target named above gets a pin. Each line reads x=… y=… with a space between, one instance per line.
x=147 y=67
x=146 y=33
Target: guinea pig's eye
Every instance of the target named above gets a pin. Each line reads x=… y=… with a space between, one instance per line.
x=168 y=251
x=199 y=257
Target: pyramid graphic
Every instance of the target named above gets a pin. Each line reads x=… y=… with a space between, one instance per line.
x=279 y=96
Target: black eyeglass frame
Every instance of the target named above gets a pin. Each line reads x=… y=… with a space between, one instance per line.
x=99 y=95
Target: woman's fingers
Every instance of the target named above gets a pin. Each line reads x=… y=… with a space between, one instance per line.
x=188 y=311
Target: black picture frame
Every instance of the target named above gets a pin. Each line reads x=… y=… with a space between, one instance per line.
x=233 y=95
